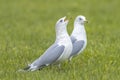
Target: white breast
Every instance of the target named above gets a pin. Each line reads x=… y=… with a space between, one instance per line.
x=68 y=48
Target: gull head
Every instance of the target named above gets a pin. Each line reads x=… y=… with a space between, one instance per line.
x=81 y=20
x=62 y=22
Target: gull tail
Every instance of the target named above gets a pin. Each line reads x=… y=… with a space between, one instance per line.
x=24 y=69
x=31 y=68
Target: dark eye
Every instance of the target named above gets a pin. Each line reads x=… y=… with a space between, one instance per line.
x=80 y=18
x=61 y=20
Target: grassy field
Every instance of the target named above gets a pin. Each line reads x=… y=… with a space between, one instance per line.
x=27 y=30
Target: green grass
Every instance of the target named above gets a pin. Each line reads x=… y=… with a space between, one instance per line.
x=27 y=30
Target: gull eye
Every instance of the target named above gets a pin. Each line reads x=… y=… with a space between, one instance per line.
x=61 y=20
x=80 y=18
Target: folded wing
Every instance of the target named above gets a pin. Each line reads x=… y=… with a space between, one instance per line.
x=49 y=57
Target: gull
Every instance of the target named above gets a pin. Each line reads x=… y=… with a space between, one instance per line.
x=78 y=36
x=57 y=52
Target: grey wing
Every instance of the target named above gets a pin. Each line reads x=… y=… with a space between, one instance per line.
x=77 y=46
x=50 y=56
x=73 y=39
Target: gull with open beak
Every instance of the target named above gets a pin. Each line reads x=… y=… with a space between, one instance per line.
x=57 y=52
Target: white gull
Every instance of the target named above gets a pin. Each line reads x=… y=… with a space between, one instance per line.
x=78 y=36
x=57 y=52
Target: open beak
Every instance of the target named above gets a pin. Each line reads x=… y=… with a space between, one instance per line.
x=64 y=18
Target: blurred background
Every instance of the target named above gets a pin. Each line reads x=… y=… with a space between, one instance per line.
x=27 y=29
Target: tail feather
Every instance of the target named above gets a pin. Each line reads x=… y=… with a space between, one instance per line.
x=31 y=68
x=26 y=68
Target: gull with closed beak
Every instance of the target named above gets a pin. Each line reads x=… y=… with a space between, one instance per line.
x=78 y=36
